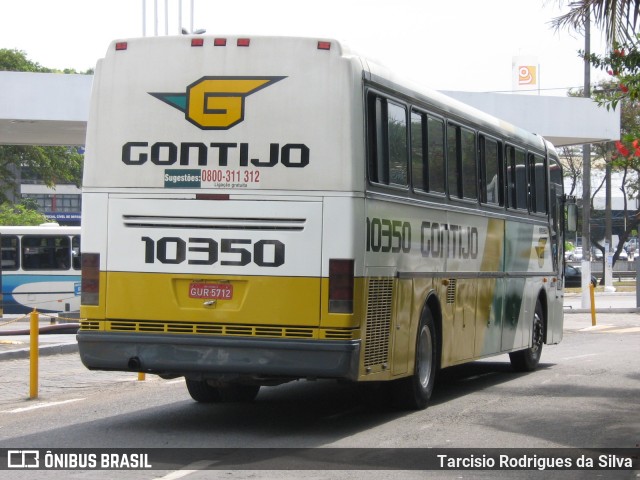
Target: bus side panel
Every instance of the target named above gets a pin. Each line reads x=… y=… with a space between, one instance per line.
x=527 y=262
x=490 y=299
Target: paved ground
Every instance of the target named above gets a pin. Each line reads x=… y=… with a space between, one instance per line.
x=60 y=371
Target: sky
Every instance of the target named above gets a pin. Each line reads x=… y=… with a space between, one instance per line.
x=465 y=45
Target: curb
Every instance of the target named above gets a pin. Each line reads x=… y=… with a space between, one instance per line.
x=601 y=310
x=43 y=351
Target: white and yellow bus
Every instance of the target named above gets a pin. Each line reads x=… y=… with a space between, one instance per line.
x=258 y=210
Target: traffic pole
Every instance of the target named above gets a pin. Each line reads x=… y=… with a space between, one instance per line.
x=34 y=327
x=593 y=304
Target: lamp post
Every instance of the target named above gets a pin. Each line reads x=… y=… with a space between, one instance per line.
x=586 y=176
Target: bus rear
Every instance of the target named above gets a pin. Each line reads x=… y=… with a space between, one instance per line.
x=222 y=212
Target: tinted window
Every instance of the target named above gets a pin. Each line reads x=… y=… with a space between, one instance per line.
x=10 y=257
x=387 y=127
x=490 y=162
x=516 y=178
x=435 y=154
x=46 y=252
x=461 y=162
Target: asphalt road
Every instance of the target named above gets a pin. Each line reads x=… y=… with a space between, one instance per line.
x=584 y=395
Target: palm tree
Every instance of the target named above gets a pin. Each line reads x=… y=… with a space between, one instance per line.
x=618 y=18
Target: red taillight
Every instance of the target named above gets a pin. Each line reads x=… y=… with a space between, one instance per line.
x=220 y=42
x=324 y=45
x=197 y=42
x=243 y=42
x=341 y=276
x=90 y=294
x=121 y=45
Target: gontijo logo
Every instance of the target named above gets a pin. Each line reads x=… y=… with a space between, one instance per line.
x=216 y=103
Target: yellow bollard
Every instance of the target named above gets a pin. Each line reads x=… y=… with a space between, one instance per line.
x=593 y=304
x=141 y=376
x=34 y=330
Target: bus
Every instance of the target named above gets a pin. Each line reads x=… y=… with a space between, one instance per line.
x=40 y=268
x=258 y=210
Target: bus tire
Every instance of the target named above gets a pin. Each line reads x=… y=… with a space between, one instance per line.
x=527 y=360
x=414 y=392
x=202 y=392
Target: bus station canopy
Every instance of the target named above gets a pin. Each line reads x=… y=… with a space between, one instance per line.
x=52 y=109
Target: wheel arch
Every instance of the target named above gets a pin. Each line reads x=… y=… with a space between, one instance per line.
x=433 y=304
x=542 y=298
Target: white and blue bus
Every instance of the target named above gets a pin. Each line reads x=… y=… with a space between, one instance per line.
x=258 y=210
x=40 y=268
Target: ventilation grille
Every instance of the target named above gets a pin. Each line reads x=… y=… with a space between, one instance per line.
x=214 y=223
x=451 y=291
x=379 y=302
x=267 y=331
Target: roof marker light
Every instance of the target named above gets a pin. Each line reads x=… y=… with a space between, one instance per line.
x=220 y=42
x=121 y=45
x=197 y=42
x=243 y=42
x=324 y=45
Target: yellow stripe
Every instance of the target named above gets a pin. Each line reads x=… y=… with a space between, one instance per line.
x=257 y=301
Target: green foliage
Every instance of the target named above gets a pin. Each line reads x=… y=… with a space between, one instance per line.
x=623 y=64
x=20 y=214
x=16 y=61
x=50 y=164
x=12 y=60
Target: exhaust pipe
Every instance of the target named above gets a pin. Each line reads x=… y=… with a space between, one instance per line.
x=134 y=364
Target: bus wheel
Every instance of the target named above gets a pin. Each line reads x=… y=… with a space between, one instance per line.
x=527 y=360
x=415 y=391
x=202 y=392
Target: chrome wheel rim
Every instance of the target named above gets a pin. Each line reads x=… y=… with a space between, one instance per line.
x=425 y=356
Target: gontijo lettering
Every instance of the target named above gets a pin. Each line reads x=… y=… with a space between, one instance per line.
x=291 y=155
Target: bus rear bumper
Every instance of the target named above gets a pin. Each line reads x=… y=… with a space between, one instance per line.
x=210 y=357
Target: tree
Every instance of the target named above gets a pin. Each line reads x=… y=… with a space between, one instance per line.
x=51 y=164
x=20 y=214
x=12 y=60
x=618 y=18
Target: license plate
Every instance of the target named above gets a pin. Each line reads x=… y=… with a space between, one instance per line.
x=213 y=291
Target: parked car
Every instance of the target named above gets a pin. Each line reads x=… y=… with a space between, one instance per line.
x=623 y=255
x=576 y=254
x=596 y=254
x=631 y=245
x=573 y=277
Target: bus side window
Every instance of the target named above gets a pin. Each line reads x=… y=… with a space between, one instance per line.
x=10 y=257
x=539 y=191
x=388 y=133
x=461 y=163
x=75 y=252
x=490 y=171
x=427 y=153
x=516 y=178
x=469 y=175
x=397 y=135
x=44 y=252
x=419 y=166
x=435 y=155
x=453 y=166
